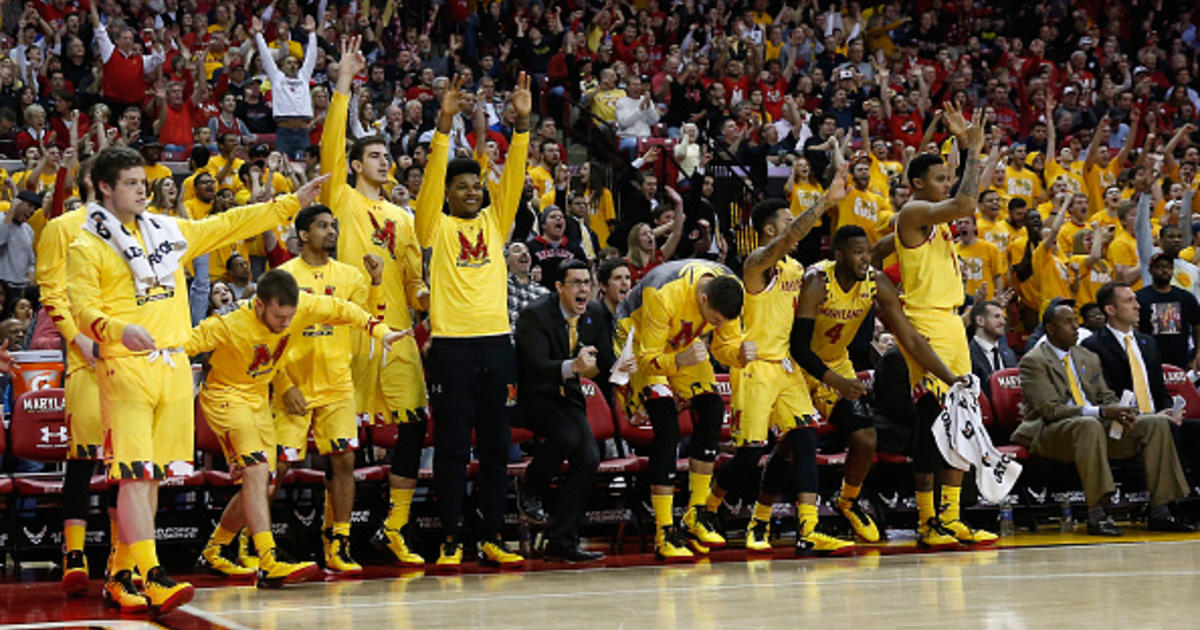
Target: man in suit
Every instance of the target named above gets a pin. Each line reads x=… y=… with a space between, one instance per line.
x=560 y=338
x=1071 y=414
x=989 y=352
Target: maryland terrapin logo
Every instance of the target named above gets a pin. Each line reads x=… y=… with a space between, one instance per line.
x=472 y=255
x=265 y=359
x=384 y=235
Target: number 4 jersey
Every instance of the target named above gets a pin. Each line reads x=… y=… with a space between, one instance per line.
x=840 y=313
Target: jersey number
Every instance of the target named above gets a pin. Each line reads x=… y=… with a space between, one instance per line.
x=834 y=333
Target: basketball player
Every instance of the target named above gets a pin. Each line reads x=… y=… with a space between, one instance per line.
x=667 y=313
x=248 y=345
x=134 y=304
x=390 y=385
x=929 y=274
x=472 y=363
x=770 y=391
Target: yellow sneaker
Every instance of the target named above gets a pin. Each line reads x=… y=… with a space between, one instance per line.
x=934 y=536
x=337 y=556
x=701 y=528
x=213 y=560
x=164 y=593
x=758 y=536
x=273 y=572
x=493 y=553
x=119 y=592
x=397 y=542
x=244 y=556
x=968 y=536
x=75 y=573
x=862 y=523
x=669 y=546
x=818 y=544
x=108 y=569
x=451 y=556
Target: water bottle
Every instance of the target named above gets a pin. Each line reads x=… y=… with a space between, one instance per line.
x=524 y=539
x=1066 y=520
x=1007 y=527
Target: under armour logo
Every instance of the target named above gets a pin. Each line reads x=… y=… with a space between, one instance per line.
x=59 y=434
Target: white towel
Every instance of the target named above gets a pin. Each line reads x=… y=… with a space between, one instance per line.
x=164 y=242
x=964 y=442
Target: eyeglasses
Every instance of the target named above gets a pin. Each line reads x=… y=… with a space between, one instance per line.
x=578 y=283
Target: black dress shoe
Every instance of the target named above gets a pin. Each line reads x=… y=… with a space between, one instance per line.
x=531 y=508
x=1103 y=527
x=571 y=554
x=1169 y=524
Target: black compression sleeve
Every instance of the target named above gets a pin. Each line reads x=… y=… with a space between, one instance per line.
x=801 y=347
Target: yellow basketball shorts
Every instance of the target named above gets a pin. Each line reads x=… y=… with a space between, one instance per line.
x=146 y=410
x=334 y=429
x=389 y=387
x=823 y=396
x=684 y=385
x=944 y=331
x=766 y=395
x=245 y=430
x=84 y=425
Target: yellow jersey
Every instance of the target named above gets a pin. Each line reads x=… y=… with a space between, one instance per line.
x=322 y=351
x=51 y=271
x=245 y=353
x=1052 y=275
x=864 y=209
x=665 y=315
x=543 y=181
x=1073 y=180
x=601 y=212
x=981 y=262
x=218 y=260
x=767 y=316
x=1066 y=236
x=930 y=272
x=1023 y=184
x=1098 y=178
x=104 y=298
x=367 y=226
x=1088 y=280
x=882 y=172
x=155 y=173
x=1123 y=251
x=467 y=269
x=804 y=196
x=197 y=209
x=841 y=313
x=1027 y=290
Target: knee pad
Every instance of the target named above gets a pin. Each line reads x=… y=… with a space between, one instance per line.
x=804 y=458
x=927 y=459
x=406 y=457
x=851 y=415
x=775 y=479
x=666 y=439
x=76 y=488
x=709 y=412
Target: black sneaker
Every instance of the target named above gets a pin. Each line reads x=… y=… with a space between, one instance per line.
x=530 y=506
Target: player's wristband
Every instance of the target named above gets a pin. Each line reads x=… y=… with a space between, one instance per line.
x=801 y=347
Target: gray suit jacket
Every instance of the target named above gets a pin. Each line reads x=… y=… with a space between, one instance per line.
x=1047 y=393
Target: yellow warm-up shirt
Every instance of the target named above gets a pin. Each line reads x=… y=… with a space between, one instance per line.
x=982 y=262
x=804 y=195
x=103 y=295
x=601 y=212
x=864 y=209
x=543 y=180
x=1096 y=179
x=155 y=173
x=664 y=312
x=370 y=227
x=767 y=316
x=197 y=209
x=1123 y=251
x=998 y=232
x=467 y=271
x=245 y=353
x=322 y=351
x=1073 y=180
x=51 y=271
x=841 y=313
x=1024 y=184
x=1052 y=275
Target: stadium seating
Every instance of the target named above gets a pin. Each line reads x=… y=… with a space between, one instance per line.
x=1177 y=384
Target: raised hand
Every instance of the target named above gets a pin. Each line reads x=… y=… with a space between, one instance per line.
x=374 y=265
x=522 y=100
x=308 y=192
x=454 y=101
x=956 y=123
x=256 y=25
x=837 y=187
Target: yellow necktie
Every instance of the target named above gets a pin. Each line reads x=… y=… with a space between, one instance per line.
x=1076 y=393
x=572 y=333
x=1140 y=387
x=585 y=239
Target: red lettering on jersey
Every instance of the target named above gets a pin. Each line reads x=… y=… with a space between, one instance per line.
x=685 y=336
x=472 y=255
x=384 y=235
x=265 y=359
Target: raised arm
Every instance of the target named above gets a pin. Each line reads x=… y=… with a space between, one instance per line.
x=917 y=215
x=512 y=179
x=432 y=194
x=333 y=134
x=1134 y=118
x=310 y=51
x=668 y=248
x=1093 y=156
x=246 y=221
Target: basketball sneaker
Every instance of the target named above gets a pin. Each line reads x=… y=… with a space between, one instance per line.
x=701 y=527
x=758 y=536
x=75 y=573
x=669 y=546
x=862 y=523
x=119 y=592
x=934 y=536
x=165 y=594
x=397 y=542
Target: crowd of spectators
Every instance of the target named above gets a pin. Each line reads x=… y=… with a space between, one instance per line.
x=647 y=113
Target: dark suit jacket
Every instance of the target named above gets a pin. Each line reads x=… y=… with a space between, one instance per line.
x=575 y=235
x=1115 y=362
x=981 y=363
x=1047 y=393
x=542 y=347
